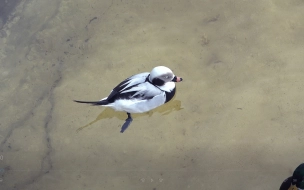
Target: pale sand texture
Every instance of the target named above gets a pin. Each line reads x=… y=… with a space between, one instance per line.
x=236 y=121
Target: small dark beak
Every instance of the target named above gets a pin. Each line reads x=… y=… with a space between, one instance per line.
x=177 y=79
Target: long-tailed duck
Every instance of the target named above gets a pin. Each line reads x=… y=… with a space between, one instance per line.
x=140 y=93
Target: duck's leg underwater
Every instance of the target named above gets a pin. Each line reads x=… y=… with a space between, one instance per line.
x=127 y=123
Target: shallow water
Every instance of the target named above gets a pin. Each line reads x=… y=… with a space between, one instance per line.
x=235 y=122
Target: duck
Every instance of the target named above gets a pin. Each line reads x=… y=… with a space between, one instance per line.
x=140 y=93
x=296 y=181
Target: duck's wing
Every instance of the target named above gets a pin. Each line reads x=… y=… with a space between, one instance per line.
x=127 y=84
x=143 y=91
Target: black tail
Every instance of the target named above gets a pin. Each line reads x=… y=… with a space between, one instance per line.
x=96 y=103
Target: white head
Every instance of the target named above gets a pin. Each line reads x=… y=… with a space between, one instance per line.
x=161 y=75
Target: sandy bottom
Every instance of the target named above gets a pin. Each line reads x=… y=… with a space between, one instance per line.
x=236 y=121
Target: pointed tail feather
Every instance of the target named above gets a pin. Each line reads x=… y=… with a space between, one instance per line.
x=93 y=103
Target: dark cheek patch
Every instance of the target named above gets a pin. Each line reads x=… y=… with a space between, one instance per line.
x=158 y=82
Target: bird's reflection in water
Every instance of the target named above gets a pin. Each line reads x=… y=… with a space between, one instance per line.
x=173 y=105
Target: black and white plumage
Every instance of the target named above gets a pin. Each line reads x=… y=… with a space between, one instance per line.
x=140 y=93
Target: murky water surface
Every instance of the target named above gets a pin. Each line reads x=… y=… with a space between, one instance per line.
x=236 y=121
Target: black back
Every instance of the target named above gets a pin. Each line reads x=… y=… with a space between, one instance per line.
x=116 y=94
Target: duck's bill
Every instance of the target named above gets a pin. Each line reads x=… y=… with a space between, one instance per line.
x=177 y=79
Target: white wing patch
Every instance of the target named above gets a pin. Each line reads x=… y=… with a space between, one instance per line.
x=145 y=89
x=135 y=79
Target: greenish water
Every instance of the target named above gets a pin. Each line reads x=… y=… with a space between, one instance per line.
x=235 y=122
